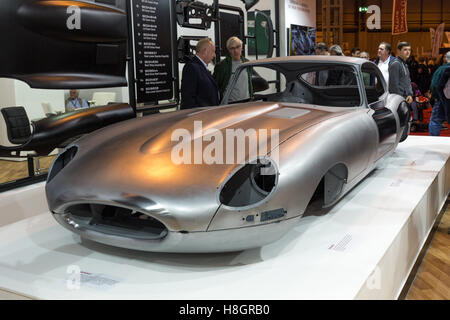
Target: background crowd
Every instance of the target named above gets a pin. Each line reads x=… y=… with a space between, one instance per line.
x=422 y=81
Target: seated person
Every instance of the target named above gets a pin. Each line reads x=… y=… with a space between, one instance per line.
x=74 y=102
x=420 y=102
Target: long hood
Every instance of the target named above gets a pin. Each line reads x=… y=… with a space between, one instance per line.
x=256 y=117
x=137 y=162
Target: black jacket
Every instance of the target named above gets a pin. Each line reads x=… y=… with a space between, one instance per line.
x=399 y=79
x=445 y=103
x=198 y=87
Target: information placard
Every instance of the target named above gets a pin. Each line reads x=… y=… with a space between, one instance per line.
x=152 y=50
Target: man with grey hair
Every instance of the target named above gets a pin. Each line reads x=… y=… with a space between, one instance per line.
x=364 y=55
x=320 y=77
x=366 y=76
x=223 y=71
x=441 y=108
x=198 y=87
x=338 y=76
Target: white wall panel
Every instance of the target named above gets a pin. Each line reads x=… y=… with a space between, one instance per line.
x=31 y=99
x=7 y=93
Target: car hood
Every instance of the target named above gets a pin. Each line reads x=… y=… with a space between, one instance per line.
x=131 y=163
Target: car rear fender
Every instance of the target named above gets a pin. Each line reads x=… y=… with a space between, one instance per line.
x=336 y=152
x=398 y=106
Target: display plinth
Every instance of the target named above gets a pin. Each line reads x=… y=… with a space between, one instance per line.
x=363 y=248
x=22 y=203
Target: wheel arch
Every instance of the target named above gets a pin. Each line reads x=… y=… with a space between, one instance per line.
x=329 y=188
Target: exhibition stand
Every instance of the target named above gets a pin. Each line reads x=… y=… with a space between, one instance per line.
x=362 y=248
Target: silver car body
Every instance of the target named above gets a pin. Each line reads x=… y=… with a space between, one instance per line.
x=128 y=166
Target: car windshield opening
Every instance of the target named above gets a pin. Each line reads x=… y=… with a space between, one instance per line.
x=331 y=85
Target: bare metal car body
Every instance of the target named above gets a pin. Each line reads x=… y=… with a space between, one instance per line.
x=119 y=185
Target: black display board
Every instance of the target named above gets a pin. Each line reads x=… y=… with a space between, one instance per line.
x=153 y=50
x=230 y=26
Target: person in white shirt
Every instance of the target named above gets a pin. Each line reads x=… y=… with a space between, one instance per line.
x=384 y=57
x=75 y=102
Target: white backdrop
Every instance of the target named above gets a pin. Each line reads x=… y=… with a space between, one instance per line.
x=17 y=93
x=298 y=12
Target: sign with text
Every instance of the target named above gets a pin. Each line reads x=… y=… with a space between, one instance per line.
x=374 y=20
x=436 y=39
x=300 y=12
x=152 y=50
x=399 y=23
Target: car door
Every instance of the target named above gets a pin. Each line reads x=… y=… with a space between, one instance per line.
x=375 y=89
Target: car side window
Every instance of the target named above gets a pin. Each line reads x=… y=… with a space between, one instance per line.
x=263 y=85
x=373 y=83
x=332 y=85
x=330 y=77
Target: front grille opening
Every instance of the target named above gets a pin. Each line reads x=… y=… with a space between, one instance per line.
x=117 y=221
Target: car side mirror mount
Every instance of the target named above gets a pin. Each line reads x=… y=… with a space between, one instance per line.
x=259 y=84
x=376 y=105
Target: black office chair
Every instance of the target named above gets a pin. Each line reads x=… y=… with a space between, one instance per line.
x=17 y=124
x=16 y=131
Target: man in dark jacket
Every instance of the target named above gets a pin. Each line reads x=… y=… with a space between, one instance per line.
x=441 y=108
x=223 y=71
x=198 y=87
x=399 y=78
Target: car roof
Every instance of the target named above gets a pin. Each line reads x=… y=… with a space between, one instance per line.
x=315 y=59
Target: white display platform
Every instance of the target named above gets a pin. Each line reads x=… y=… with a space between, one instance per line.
x=22 y=203
x=363 y=248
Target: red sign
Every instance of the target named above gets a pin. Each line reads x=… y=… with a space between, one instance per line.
x=399 y=24
x=436 y=39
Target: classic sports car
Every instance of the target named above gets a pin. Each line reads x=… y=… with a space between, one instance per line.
x=135 y=185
